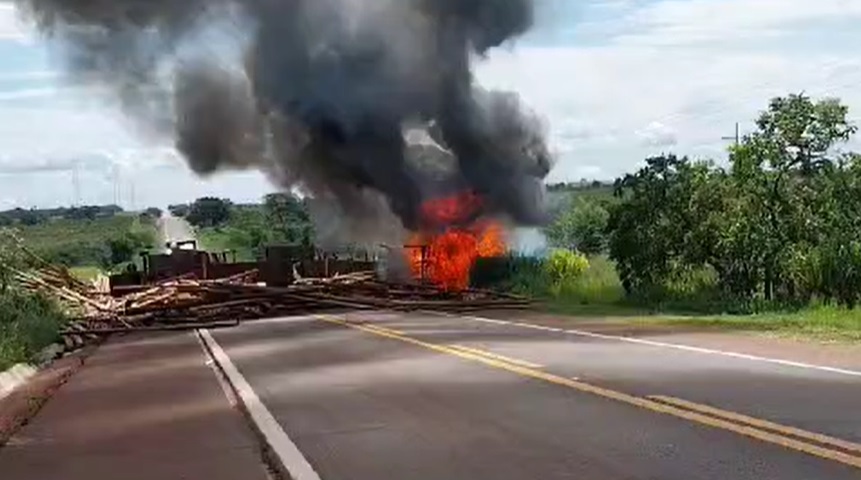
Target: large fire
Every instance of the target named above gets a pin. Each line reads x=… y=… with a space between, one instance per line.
x=446 y=256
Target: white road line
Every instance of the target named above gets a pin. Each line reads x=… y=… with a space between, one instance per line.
x=676 y=346
x=287 y=319
x=219 y=375
x=289 y=455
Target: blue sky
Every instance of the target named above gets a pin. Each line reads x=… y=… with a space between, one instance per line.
x=615 y=80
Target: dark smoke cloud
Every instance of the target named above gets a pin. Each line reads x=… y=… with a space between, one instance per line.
x=323 y=94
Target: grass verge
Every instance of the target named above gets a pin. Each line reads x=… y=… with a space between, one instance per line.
x=221 y=239
x=820 y=323
x=598 y=294
x=86 y=274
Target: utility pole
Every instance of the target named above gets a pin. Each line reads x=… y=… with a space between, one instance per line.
x=737 y=137
x=76 y=185
x=116 y=179
x=132 y=195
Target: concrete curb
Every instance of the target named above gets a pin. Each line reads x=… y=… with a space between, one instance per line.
x=15 y=377
x=30 y=395
x=19 y=374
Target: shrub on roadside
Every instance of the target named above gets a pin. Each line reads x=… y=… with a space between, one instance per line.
x=565 y=266
x=28 y=323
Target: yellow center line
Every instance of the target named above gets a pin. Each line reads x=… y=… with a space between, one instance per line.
x=759 y=423
x=644 y=403
x=384 y=329
x=496 y=356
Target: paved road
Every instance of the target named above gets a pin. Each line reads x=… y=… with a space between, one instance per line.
x=174 y=229
x=143 y=407
x=422 y=396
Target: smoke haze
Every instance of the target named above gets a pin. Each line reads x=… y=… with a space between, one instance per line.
x=321 y=96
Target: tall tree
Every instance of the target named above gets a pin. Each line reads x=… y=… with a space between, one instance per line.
x=208 y=212
x=774 y=170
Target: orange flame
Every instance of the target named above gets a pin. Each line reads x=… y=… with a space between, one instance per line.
x=447 y=258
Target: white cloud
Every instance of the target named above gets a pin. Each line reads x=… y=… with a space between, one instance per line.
x=698 y=66
x=685 y=22
x=656 y=134
x=11 y=25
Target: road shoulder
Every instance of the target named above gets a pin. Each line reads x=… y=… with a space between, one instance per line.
x=758 y=344
x=146 y=406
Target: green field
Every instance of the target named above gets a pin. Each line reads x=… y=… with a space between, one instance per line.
x=103 y=243
x=63 y=231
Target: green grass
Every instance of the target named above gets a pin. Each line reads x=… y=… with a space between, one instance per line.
x=598 y=285
x=246 y=232
x=86 y=274
x=820 y=323
x=85 y=243
x=220 y=239
x=28 y=323
x=59 y=232
x=598 y=294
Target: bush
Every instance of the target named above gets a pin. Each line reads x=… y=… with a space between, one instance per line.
x=565 y=266
x=513 y=273
x=28 y=323
x=582 y=226
x=599 y=284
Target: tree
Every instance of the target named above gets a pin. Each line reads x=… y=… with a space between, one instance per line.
x=208 y=212
x=287 y=217
x=31 y=217
x=775 y=171
x=153 y=212
x=82 y=213
x=582 y=226
x=661 y=226
x=180 y=210
x=783 y=224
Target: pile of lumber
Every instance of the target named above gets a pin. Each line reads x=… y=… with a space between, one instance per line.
x=186 y=302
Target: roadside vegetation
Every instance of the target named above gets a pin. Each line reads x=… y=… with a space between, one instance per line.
x=28 y=322
x=104 y=239
x=281 y=219
x=771 y=241
x=89 y=240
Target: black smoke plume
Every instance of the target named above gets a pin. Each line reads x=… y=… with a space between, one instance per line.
x=321 y=94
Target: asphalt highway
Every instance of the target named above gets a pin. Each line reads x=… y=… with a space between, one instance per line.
x=376 y=395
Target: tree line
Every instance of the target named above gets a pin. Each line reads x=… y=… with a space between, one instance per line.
x=281 y=218
x=37 y=216
x=779 y=225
